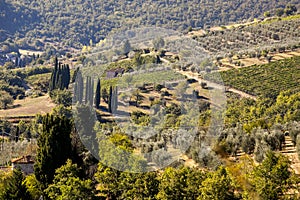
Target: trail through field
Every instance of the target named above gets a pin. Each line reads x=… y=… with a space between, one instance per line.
x=210 y=83
x=289 y=150
x=216 y=85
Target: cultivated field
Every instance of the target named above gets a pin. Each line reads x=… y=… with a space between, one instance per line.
x=29 y=107
x=265 y=80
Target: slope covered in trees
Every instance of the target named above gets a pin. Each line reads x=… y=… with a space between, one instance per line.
x=64 y=20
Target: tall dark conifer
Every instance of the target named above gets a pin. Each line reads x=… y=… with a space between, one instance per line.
x=86 y=98
x=54 y=148
x=110 y=99
x=91 y=92
x=98 y=95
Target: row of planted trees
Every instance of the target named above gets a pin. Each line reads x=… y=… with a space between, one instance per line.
x=84 y=91
x=88 y=96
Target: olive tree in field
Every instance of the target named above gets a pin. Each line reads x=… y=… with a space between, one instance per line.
x=126 y=47
x=158 y=43
x=5 y=100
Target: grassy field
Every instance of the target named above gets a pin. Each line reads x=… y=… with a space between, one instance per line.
x=29 y=107
x=158 y=77
x=266 y=80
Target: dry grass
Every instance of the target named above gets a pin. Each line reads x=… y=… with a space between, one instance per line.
x=29 y=107
x=255 y=61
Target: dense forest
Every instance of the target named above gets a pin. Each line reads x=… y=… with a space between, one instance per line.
x=62 y=21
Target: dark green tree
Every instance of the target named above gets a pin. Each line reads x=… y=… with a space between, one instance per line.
x=54 y=148
x=15 y=188
x=98 y=95
x=91 y=92
x=87 y=90
x=110 y=99
x=78 y=88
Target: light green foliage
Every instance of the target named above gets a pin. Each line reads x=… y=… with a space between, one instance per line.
x=218 y=185
x=33 y=186
x=263 y=112
x=68 y=185
x=116 y=151
x=274 y=177
x=182 y=183
x=15 y=188
x=62 y=97
x=140 y=186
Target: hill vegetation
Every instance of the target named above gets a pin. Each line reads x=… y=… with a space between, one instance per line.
x=150 y=110
x=63 y=21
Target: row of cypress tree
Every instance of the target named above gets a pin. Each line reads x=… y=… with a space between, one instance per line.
x=91 y=98
x=113 y=99
x=60 y=77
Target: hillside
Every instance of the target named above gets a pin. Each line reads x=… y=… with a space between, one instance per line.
x=77 y=22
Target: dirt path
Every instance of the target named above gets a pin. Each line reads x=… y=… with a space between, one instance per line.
x=289 y=150
x=195 y=76
x=216 y=85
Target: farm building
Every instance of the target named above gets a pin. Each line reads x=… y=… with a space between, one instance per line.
x=112 y=73
x=25 y=163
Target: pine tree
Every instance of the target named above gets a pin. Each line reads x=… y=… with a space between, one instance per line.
x=15 y=189
x=97 y=95
x=54 y=148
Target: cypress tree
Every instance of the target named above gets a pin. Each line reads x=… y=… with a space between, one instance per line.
x=110 y=100
x=54 y=148
x=114 y=99
x=97 y=95
x=86 y=90
x=58 y=72
x=68 y=76
x=52 y=84
x=75 y=75
x=60 y=84
x=80 y=87
x=91 y=92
